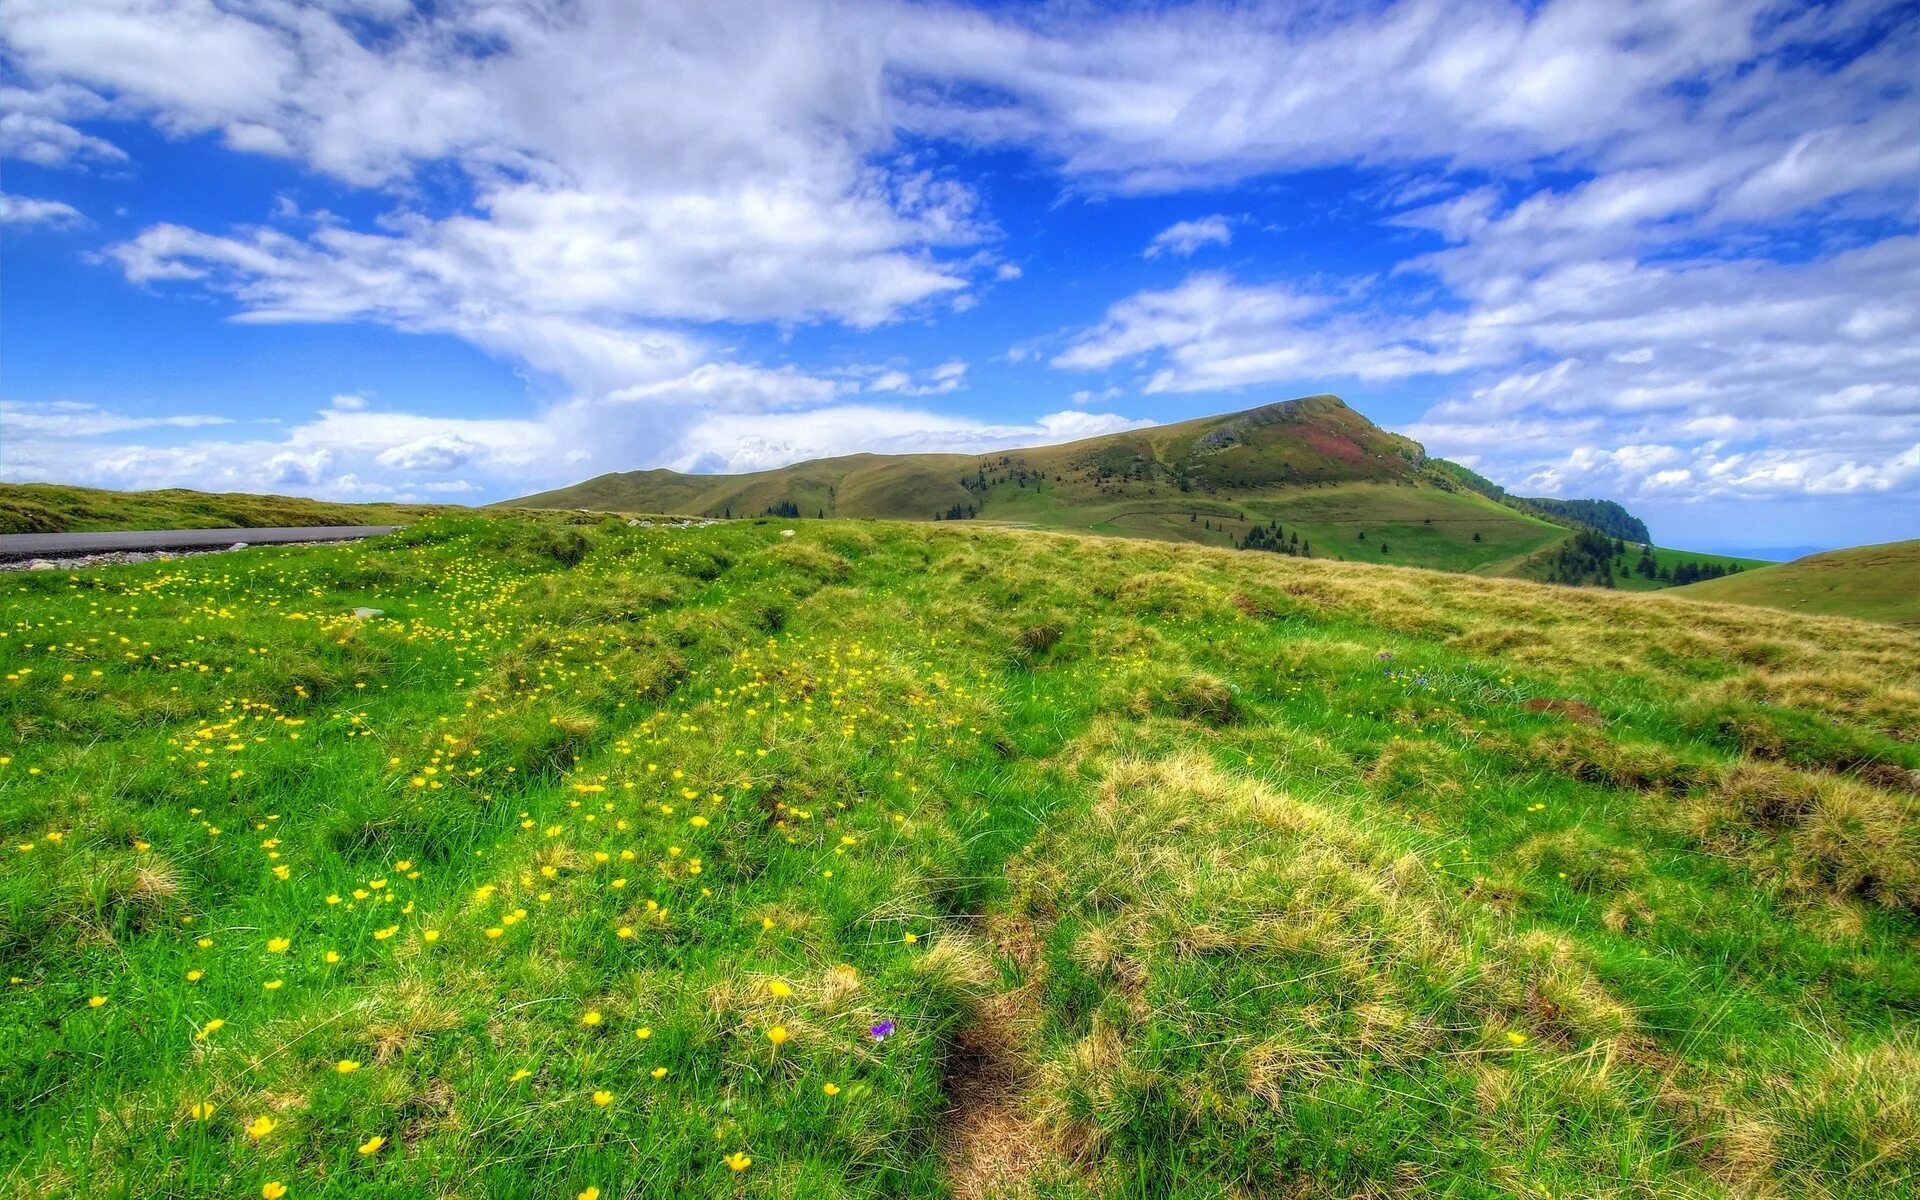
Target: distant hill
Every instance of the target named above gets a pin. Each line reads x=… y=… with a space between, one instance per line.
x=1307 y=476
x=1607 y=516
x=1602 y=516
x=60 y=508
x=1873 y=583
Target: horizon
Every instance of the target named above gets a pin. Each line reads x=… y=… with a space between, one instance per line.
x=1664 y=254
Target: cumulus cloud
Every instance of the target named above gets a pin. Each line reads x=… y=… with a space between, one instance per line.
x=1182 y=238
x=730 y=444
x=25 y=210
x=630 y=163
x=67 y=419
x=1211 y=333
x=1674 y=235
x=1156 y=99
x=949 y=376
x=34 y=126
x=713 y=420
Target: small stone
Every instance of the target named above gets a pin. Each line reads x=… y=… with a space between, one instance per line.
x=40 y=564
x=786 y=533
x=238 y=546
x=364 y=613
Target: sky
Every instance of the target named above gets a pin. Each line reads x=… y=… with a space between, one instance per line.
x=1663 y=252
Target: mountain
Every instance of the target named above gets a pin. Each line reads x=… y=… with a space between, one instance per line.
x=1873 y=583
x=1310 y=472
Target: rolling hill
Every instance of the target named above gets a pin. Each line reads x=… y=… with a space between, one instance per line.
x=1873 y=583
x=1321 y=472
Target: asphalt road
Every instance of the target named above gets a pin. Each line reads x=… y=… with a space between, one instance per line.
x=56 y=545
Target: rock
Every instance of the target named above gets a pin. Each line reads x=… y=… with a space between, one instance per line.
x=786 y=533
x=238 y=546
x=40 y=564
x=364 y=613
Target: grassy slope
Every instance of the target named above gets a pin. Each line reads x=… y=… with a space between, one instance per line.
x=1179 y=874
x=58 y=508
x=1874 y=583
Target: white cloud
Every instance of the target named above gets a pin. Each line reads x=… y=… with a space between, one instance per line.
x=34 y=126
x=1211 y=333
x=632 y=167
x=25 y=210
x=1682 y=225
x=948 y=377
x=730 y=444
x=1155 y=99
x=719 y=417
x=66 y=419
x=1184 y=237
x=339 y=453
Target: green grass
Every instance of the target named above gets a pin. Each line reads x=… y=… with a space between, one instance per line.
x=1873 y=583
x=1177 y=873
x=58 y=508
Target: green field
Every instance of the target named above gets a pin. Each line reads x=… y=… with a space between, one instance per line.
x=1874 y=583
x=855 y=859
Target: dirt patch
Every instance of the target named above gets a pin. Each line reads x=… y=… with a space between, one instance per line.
x=1572 y=710
x=1890 y=776
x=990 y=1147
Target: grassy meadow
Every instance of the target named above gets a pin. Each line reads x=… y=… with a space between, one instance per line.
x=1879 y=583
x=851 y=859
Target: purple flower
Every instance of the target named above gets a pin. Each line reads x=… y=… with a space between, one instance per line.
x=882 y=1031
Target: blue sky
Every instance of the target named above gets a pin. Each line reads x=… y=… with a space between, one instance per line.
x=1661 y=252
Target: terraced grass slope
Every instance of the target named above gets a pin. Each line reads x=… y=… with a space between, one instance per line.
x=1320 y=469
x=887 y=860
x=59 y=508
x=1873 y=583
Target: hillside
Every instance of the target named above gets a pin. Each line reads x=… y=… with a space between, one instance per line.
x=59 y=508
x=864 y=860
x=1323 y=473
x=1873 y=583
